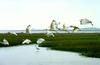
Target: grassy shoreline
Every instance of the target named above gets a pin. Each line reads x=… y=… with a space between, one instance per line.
x=88 y=44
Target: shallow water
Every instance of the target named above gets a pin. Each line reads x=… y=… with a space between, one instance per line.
x=29 y=55
x=44 y=31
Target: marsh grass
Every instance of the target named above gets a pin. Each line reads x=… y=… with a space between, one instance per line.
x=87 y=44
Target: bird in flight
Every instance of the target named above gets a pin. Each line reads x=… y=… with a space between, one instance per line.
x=74 y=28
x=85 y=21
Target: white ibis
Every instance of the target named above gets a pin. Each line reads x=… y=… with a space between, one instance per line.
x=28 y=29
x=5 y=42
x=85 y=21
x=26 y=41
x=39 y=41
x=53 y=25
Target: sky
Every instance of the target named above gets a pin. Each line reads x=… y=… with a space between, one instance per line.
x=17 y=14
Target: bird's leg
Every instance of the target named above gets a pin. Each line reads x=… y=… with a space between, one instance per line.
x=92 y=24
x=37 y=47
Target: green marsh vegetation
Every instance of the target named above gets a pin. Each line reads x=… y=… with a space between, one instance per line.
x=87 y=44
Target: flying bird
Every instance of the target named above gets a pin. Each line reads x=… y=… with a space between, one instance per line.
x=85 y=21
x=5 y=42
x=28 y=29
x=53 y=25
x=26 y=41
x=75 y=28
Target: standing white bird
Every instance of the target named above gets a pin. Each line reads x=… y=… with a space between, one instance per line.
x=39 y=41
x=26 y=41
x=85 y=21
x=49 y=33
x=28 y=29
x=75 y=28
x=5 y=42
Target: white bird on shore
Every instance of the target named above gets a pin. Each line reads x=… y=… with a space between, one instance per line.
x=85 y=21
x=39 y=41
x=49 y=33
x=5 y=42
x=26 y=41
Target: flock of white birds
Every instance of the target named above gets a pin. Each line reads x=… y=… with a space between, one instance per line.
x=55 y=26
x=48 y=33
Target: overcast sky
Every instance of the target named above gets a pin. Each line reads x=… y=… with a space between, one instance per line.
x=17 y=14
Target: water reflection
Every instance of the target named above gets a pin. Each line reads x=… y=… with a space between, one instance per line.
x=28 y=55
